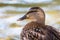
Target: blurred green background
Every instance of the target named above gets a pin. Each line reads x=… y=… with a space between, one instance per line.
x=11 y=10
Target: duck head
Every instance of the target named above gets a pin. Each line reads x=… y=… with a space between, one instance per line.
x=35 y=14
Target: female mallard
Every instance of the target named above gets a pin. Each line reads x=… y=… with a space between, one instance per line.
x=37 y=30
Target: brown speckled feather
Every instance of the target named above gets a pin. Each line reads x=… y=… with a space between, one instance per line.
x=37 y=31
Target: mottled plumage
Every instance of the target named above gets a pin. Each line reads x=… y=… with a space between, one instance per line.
x=37 y=30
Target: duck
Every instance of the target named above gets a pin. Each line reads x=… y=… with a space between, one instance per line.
x=37 y=29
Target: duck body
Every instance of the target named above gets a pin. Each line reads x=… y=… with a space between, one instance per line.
x=38 y=31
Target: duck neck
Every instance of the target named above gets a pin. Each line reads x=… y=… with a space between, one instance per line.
x=40 y=20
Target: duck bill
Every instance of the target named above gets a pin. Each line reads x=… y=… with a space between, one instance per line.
x=22 y=18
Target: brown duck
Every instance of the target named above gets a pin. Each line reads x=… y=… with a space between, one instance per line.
x=37 y=30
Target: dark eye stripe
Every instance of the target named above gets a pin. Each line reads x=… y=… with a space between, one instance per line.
x=31 y=12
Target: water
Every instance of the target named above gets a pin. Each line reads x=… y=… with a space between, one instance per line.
x=10 y=14
x=7 y=19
